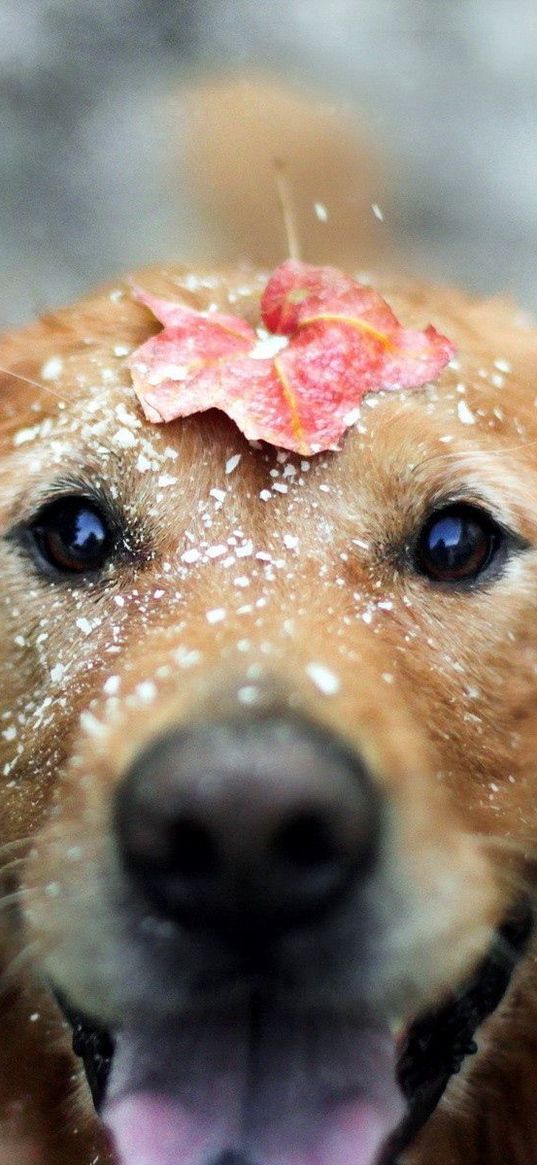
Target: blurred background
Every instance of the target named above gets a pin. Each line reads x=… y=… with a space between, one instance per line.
x=98 y=163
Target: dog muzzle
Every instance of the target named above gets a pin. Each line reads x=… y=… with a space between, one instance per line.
x=200 y=1119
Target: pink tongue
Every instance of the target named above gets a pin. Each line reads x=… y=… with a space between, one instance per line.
x=305 y=1091
x=151 y=1129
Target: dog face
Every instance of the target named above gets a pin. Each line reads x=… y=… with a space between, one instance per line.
x=270 y=726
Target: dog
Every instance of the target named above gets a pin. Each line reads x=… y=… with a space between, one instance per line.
x=269 y=721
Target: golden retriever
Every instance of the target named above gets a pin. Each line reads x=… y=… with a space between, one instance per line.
x=269 y=784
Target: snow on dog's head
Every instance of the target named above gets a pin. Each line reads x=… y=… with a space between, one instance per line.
x=268 y=703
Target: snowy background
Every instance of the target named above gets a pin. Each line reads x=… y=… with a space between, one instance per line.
x=449 y=89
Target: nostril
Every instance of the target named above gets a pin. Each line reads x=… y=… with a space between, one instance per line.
x=183 y=847
x=305 y=841
x=192 y=850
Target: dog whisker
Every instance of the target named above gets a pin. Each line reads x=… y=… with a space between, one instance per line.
x=8 y=846
x=524 y=850
x=84 y=410
x=33 y=384
x=24 y=959
x=474 y=455
x=7 y=869
x=12 y=899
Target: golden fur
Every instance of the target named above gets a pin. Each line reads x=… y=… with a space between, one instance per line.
x=437 y=686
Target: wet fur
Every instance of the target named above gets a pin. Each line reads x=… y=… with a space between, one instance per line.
x=438 y=687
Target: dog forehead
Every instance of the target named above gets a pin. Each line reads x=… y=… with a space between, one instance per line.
x=87 y=401
x=199 y=477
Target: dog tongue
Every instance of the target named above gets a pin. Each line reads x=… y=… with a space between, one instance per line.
x=153 y=1129
x=326 y=1098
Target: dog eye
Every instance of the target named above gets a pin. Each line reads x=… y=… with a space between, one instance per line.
x=73 y=535
x=457 y=544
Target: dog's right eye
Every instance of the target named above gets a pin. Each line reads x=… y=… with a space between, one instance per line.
x=457 y=544
x=73 y=535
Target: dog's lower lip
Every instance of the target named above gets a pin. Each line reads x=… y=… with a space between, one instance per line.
x=94 y=1045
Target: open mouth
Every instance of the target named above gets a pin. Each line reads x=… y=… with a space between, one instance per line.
x=259 y=1084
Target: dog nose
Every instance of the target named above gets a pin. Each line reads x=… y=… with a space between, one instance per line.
x=256 y=825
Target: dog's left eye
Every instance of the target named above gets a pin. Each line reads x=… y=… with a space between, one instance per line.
x=73 y=535
x=457 y=544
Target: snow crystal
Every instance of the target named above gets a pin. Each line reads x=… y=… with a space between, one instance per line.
x=232 y=463
x=249 y=694
x=52 y=368
x=324 y=679
x=190 y=555
x=186 y=657
x=25 y=435
x=126 y=417
x=124 y=438
x=268 y=346
x=90 y=724
x=245 y=550
x=84 y=626
x=215 y=615
x=146 y=691
x=466 y=416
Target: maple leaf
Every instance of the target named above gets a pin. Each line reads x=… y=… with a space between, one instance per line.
x=326 y=341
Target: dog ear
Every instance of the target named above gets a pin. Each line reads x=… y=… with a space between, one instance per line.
x=234 y=134
x=22 y=354
x=36 y=362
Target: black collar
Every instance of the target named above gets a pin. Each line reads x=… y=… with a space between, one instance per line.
x=439 y=1042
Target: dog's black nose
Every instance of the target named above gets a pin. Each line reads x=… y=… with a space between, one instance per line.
x=258 y=824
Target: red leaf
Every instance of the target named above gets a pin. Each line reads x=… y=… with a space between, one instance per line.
x=333 y=340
